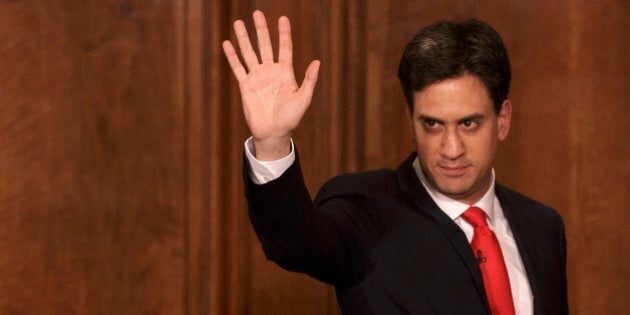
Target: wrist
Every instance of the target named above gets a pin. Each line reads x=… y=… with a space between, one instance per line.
x=272 y=148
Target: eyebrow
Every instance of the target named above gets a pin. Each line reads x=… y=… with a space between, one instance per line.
x=426 y=117
x=476 y=116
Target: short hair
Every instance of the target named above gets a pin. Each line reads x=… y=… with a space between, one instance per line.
x=446 y=50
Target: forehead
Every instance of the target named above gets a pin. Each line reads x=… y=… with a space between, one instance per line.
x=453 y=98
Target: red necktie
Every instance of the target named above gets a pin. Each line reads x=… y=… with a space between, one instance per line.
x=486 y=248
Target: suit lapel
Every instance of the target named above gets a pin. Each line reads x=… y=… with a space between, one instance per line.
x=515 y=215
x=411 y=186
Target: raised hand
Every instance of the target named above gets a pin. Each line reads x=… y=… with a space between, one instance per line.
x=273 y=103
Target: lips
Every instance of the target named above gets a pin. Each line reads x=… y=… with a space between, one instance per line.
x=453 y=170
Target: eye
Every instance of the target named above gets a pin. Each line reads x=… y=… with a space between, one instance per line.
x=430 y=123
x=470 y=124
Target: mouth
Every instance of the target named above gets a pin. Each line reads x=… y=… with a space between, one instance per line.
x=453 y=171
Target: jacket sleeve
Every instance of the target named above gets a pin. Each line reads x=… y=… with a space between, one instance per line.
x=327 y=240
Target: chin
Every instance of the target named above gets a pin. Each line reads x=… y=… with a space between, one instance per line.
x=454 y=191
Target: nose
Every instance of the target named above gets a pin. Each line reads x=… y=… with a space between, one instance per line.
x=452 y=146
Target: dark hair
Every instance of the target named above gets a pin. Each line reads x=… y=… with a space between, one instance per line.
x=447 y=50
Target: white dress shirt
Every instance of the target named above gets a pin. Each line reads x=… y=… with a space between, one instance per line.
x=265 y=171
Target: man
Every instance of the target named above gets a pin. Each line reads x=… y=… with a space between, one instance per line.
x=436 y=236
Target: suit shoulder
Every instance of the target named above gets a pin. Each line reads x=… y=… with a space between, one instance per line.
x=364 y=184
x=534 y=208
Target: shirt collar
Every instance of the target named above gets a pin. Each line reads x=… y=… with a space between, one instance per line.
x=454 y=208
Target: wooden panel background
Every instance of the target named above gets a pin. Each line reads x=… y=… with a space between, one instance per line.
x=120 y=155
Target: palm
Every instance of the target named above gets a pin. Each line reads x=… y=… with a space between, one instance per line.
x=272 y=101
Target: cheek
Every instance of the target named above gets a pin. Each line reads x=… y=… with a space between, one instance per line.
x=482 y=147
x=427 y=147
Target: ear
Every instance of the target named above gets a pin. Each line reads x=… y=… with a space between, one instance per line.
x=504 y=119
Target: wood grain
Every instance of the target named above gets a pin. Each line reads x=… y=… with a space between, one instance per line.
x=122 y=131
x=91 y=167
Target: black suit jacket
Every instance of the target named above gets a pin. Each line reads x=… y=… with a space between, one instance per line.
x=388 y=249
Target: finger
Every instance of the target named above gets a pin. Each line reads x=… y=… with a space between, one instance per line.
x=245 y=45
x=235 y=63
x=262 y=32
x=310 y=80
x=285 y=52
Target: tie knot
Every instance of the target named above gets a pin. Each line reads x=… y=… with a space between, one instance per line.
x=475 y=217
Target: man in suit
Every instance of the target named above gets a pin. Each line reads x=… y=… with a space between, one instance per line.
x=436 y=236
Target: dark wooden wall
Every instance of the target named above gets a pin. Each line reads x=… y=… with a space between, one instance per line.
x=120 y=155
x=92 y=169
